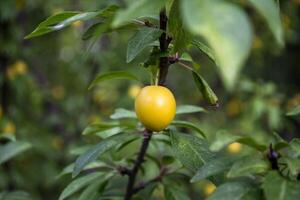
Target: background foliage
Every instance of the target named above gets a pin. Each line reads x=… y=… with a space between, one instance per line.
x=45 y=103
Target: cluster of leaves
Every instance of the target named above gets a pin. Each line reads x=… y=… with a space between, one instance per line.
x=227 y=42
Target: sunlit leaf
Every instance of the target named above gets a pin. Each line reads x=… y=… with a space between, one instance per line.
x=247 y=166
x=80 y=183
x=94 y=152
x=138 y=9
x=213 y=167
x=295 y=111
x=186 y=109
x=113 y=75
x=270 y=11
x=205 y=89
x=278 y=188
x=189 y=125
x=236 y=190
x=142 y=39
x=121 y=113
x=12 y=149
x=190 y=150
x=230 y=38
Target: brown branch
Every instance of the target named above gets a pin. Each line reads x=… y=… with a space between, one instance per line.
x=140 y=159
x=158 y=178
x=164 y=63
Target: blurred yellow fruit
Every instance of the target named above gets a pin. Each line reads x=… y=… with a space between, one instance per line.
x=134 y=90
x=209 y=188
x=257 y=43
x=9 y=128
x=20 y=4
x=57 y=143
x=1 y=111
x=234 y=147
x=94 y=119
x=58 y=92
x=11 y=73
x=155 y=107
x=77 y=24
x=233 y=108
x=20 y=67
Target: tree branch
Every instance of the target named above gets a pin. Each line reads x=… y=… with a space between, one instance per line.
x=140 y=159
x=164 y=42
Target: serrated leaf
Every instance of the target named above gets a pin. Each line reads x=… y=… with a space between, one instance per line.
x=186 y=109
x=205 y=89
x=236 y=190
x=94 y=152
x=113 y=75
x=190 y=150
x=213 y=167
x=138 y=9
x=247 y=166
x=293 y=164
x=230 y=38
x=12 y=149
x=121 y=113
x=142 y=39
x=278 y=188
x=270 y=11
x=189 y=125
x=79 y=183
x=205 y=49
x=295 y=146
x=172 y=193
x=295 y=111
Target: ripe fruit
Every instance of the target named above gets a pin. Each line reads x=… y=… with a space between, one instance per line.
x=234 y=147
x=155 y=107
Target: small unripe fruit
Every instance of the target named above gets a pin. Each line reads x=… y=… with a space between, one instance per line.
x=155 y=107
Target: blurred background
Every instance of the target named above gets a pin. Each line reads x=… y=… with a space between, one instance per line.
x=45 y=101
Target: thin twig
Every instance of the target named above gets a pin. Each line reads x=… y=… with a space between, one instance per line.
x=137 y=164
x=185 y=66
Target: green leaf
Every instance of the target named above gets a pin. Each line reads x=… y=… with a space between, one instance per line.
x=190 y=150
x=172 y=193
x=60 y=21
x=292 y=163
x=96 y=127
x=113 y=75
x=12 y=149
x=15 y=195
x=230 y=38
x=138 y=9
x=223 y=138
x=204 y=88
x=295 y=146
x=94 y=152
x=180 y=36
x=295 y=111
x=80 y=183
x=96 y=30
x=279 y=142
x=205 y=49
x=121 y=113
x=236 y=190
x=186 y=57
x=186 y=109
x=142 y=39
x=189 y=125
x=278 y=188
x=269 y=10
x=248 y=165
x=213 y=167
x=7 y=138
